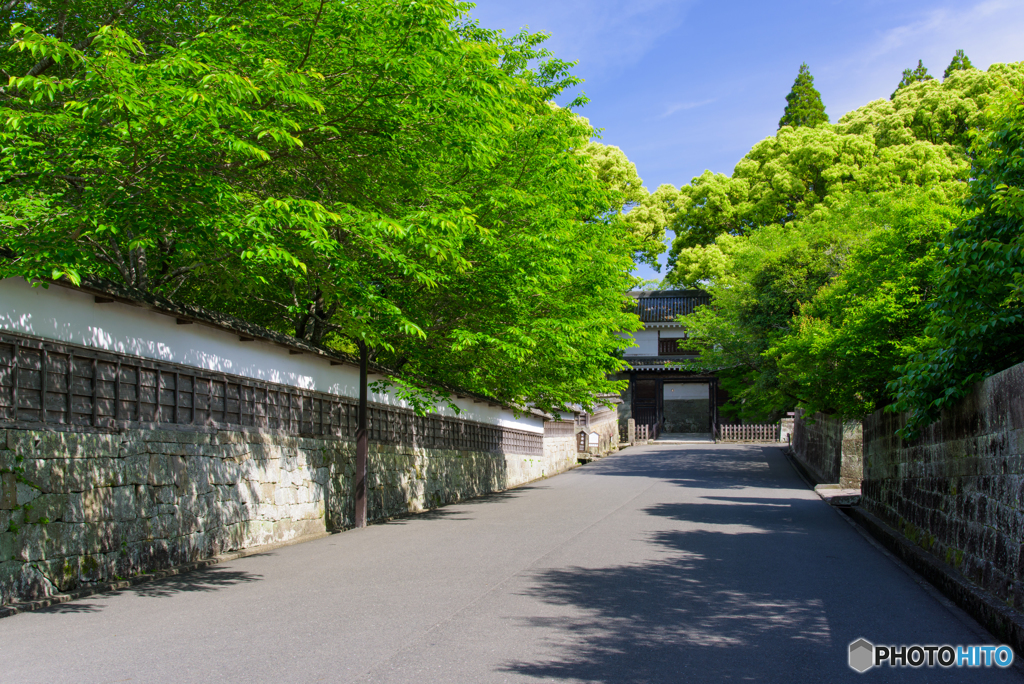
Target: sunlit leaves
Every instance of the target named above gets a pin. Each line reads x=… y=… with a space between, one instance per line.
x=375 y=171
x=845 y=342
x=801 y=316
x=978 y=315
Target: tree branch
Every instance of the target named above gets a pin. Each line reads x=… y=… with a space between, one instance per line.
x=312 y=30
x=179 y=272
x=47 y=62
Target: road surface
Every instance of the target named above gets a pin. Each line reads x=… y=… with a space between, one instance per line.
x=685 y=563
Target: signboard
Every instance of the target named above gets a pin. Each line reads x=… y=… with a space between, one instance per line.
x=594 y=440
x=581 y=441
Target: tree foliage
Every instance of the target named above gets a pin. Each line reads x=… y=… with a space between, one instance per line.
x=960 y=62
x=820 y=250
x=839 y=350
x=932 y=111
x=760 y=282
x=803 y=104
x=799 y=171
x=378 y=171
x=978 y=313
x=636 y=209
x=911 y=76
x=919 y=138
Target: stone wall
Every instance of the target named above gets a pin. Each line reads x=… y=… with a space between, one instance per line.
x=786 y=429
x=625 y=406
x=958 y=491
x=606 y=424
x=829 y=449
x=79 y=507
x=136 y=434
x=560 y=443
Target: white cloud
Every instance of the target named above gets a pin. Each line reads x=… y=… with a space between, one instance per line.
x=942 y=21
x=897 y=37
x=683 y=106
x=988 y=32
x=601 y=36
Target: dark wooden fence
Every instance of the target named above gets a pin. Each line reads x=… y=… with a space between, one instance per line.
x=45 y=385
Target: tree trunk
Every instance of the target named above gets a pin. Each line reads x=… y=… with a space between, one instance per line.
x=362 y=447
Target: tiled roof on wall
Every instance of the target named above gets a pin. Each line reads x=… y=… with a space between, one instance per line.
x=109 y=291
x=658 y=363
x=662 y=306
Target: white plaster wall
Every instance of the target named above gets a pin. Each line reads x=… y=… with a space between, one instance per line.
x=67 y=315
x=673 y=333
x=686 y=390
x=647 y=343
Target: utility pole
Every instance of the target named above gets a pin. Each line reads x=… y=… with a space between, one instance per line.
x=362 y=446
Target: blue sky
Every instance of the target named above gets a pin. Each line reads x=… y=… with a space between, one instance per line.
x=685 y=85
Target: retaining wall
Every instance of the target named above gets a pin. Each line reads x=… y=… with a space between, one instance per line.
x=829 y=449
x=136 y=435
x=80 y=507
x=605 y=422
x=958 y=492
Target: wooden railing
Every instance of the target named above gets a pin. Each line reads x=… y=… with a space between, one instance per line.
x=643 y=432
x=749 y=433
x=647 y=431
x=670 y=347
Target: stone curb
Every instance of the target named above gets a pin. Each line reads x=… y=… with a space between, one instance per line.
x=104 y=587
x=802 y=471
x=1005 y=623
x=835 y=495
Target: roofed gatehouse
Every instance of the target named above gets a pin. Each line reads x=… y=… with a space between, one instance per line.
x=666 y=390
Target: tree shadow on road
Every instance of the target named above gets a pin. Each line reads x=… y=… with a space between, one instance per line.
x=706 y=467
x=671 y=620
x=762 y=516
x=457 y=510
x=201 y=580
x=206 y=580
x=743 y=589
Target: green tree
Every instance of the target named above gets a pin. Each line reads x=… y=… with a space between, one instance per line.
x=960 y=62
x=918 y=138
x=933 y=111
x=758 y=282
x=911 y=76
x=839 y=351
x=797 y=172
x=365 y=175
x=803 y=104
x=766 y=240
x=634 y=206
x=978 y=320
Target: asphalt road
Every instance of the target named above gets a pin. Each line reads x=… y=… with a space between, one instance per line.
x=697 y=563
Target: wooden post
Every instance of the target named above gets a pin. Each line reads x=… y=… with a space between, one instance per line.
x=95 y=394
x=156 y=408
x=42 y=385
x=14 y=381
x=71 y=386
x=362 y=447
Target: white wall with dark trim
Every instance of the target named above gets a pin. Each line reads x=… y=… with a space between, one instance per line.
x=67 y=315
